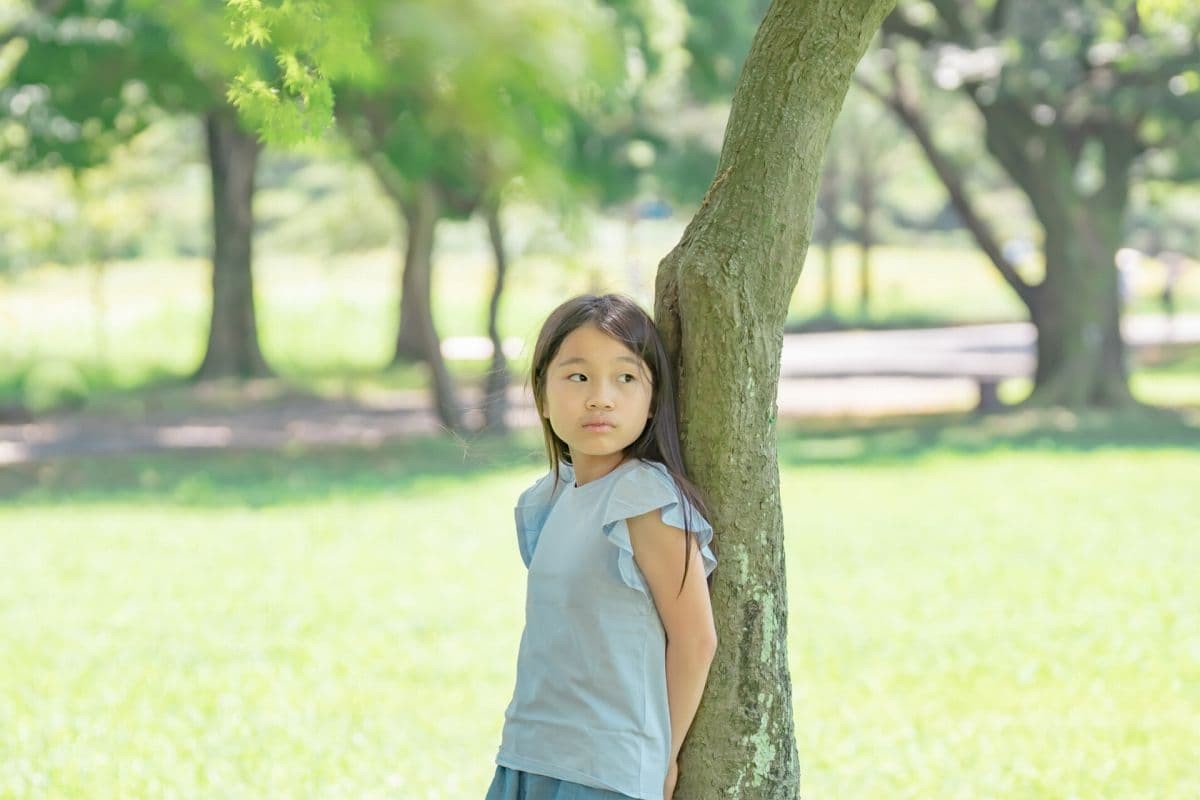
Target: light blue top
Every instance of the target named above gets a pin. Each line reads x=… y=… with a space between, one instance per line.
x=590 y=704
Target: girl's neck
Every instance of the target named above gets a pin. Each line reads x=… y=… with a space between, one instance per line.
x=589 y=468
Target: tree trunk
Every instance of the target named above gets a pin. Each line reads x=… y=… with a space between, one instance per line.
x=232 y=349
x=828 y=199
x=1080 y=352
x=1076 y=308
x=421 y=215
x=495 y=388
x=416 y=279
x=414 y=294
x=722 y=297
x=866 y=232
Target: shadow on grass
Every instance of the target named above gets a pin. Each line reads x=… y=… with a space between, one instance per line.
x=265 y=478
x=310 y=475
x=902 y=439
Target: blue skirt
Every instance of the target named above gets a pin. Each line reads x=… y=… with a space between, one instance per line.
x=512 y=784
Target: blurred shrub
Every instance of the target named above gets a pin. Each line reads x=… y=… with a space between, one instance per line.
x=54 y=385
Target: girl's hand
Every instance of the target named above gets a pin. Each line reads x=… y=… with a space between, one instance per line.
x=672 y=776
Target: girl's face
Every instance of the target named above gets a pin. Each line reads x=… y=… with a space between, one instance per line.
x=598 y=395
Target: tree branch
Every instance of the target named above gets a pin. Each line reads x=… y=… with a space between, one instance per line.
x=951 y=16
x=999 y=15
x=900 y=104
x=357 y=126
x=896 y=24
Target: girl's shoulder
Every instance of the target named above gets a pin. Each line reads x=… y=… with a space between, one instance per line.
x=643 y=485
x=647 y=470
x=544 y=489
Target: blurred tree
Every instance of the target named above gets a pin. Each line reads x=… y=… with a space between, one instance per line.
x=1073 y=96
x=93 y=74
x=451 y=106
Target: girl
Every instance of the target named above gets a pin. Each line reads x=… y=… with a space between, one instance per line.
x=619 y=632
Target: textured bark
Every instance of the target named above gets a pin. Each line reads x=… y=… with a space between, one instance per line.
x=421 y=215
x=232 y=349
x=495 y=387
x=722 y=297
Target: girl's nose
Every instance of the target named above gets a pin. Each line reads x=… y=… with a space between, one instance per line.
x=599 y=402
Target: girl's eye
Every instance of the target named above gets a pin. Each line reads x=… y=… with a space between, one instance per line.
x=578 y=375
x=627 y=378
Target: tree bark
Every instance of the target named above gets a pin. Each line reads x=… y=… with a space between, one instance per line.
x=495 y=387
x=232 y=349
x=421 y=214
x=722 y=297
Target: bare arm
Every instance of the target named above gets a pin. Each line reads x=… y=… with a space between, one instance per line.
x=686 y=616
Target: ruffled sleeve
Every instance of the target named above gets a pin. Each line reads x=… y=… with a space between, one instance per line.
x=533 y=507
x=644 y=488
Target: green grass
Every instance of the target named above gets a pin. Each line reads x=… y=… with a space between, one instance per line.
x=1013 y=612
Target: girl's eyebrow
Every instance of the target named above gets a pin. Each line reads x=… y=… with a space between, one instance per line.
x=582 y=360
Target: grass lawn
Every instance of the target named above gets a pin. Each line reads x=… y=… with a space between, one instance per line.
x=1006 y=609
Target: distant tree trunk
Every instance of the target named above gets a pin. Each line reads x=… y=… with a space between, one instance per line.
x=421 y=214
x=100 y=313
x=495 y=388
x=415 y=282
x=866 y=178
x=1081 y=355
x=829 y=199
x=722 y=297
x=366 y=121
x=1076 y=308
x=232 y=349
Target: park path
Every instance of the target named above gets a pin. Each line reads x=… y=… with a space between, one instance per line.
x=836 y=374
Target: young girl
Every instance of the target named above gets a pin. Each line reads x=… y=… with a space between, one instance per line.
x=619 y=632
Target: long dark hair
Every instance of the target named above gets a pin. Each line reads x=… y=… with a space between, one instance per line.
x=624 y=320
